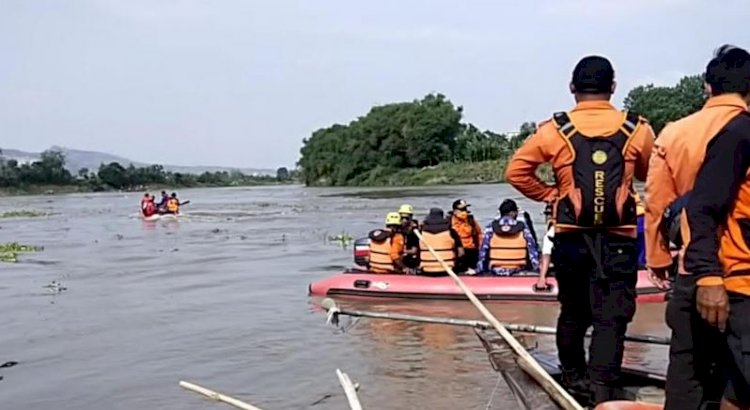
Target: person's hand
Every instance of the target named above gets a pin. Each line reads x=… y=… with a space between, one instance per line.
x=541 y=283
x=659 y=277
x=713 y=305
x=460 y=252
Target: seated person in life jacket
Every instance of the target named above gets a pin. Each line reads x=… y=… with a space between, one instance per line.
x=173 y=204
x=437 y=232
x=387 y=247
x=463 y=222
x=508 y=246
x=408 y=225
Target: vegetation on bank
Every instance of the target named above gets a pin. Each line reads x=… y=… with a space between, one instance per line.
x=425 y=142
x=50 y=174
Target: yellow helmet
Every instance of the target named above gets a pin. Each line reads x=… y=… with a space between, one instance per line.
x=406 y=209
x=393 y=218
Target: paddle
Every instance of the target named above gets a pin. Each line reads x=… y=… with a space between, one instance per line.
x=329 y=305
x=526 y=362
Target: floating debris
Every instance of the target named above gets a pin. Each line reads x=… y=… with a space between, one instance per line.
x=343 y=239
x=9 y=251
x=22 y=214
x=55 y=287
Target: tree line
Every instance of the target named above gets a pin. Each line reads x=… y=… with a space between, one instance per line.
x=427 y=132
x=50 y=170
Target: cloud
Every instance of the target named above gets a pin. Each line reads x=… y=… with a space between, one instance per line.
x=609 y=8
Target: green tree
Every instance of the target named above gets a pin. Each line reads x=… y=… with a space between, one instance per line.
x=661 y=105
x=282 y=174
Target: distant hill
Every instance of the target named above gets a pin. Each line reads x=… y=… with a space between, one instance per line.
x=77 y=159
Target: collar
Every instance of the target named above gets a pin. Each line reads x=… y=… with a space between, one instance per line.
x=594 y=105
x=732 y=100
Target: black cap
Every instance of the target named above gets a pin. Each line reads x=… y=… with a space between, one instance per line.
x=508 y=206
x=460 y=204
x=593 y=74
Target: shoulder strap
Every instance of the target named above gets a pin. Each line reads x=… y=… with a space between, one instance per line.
x=630 y=124
x=564 y=125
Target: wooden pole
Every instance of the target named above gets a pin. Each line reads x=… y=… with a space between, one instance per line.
x=217 y=396
x=527 y=362
x=349 y=389
x=328 y=304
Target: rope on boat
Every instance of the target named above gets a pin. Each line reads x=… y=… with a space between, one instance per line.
x=217 y=396
x=349 y=389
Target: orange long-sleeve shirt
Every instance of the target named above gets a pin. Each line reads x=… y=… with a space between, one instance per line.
x=678 y=155
x=591 y=118
x=397 y=247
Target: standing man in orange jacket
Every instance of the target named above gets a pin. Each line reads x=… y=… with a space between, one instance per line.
x=595 y=151
x=694 y=375
x=717 y=213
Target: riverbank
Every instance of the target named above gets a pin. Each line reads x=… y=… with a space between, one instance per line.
x=446 y=173
x=76 y=188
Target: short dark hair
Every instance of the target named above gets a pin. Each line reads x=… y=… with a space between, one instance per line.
x=593 y=75
x=507 y=207
x=729 y=71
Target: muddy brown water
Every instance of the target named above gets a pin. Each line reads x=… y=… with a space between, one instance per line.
x=220 y=299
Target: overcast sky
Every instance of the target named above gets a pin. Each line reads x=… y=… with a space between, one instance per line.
x=240 y=82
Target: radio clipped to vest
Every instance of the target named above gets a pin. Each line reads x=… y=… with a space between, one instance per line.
x=599 y=198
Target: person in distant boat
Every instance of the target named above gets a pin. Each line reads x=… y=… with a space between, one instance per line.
x=408 y=225
x=150 y=207
x=507 y=246
x=173 y=204
x=162 y=205
x=387 y=247
x=596 y=152
x=464 y=223
x=144 y=202
x=437 y=232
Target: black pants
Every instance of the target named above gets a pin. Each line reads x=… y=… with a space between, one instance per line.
x=603 y=298
x=738 y=341
x=469 y=260
x=695 y=351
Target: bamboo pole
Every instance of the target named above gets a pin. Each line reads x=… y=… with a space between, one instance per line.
x=527 y=362
x=217 y=396
x=329 y=304
x=349 y=389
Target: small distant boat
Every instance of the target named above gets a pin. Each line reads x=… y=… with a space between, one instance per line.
x=160 y=217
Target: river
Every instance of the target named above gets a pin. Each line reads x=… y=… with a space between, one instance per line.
x=220 y=299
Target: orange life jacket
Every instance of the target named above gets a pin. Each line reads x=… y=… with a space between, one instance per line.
x=173 y=205
x=443 y=244
x=508 y=246
x=381 y=241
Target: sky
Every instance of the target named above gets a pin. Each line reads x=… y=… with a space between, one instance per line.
x=241 y=83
